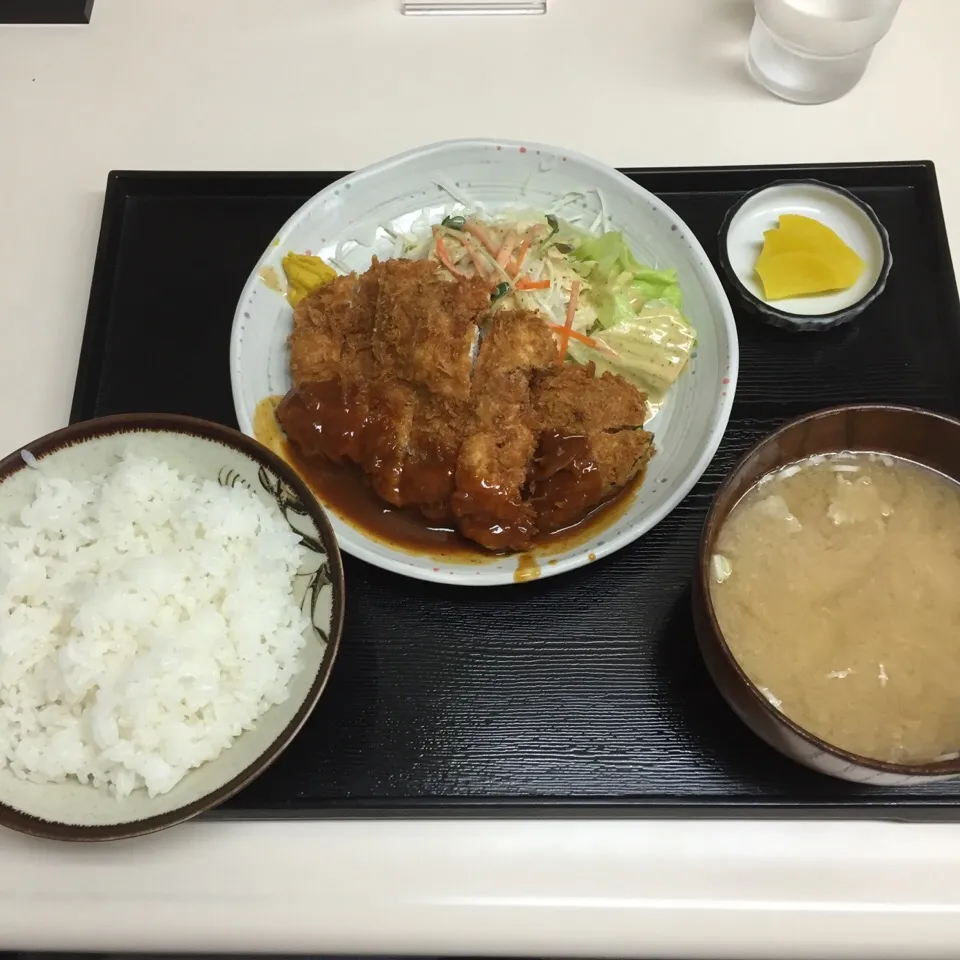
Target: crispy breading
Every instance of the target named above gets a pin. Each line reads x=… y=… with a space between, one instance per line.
x=571 y=398
x=516 y=340
x=333 y=330
x=432 y=452
x=501 y=436
x=608 y=412
x=393 y=406
x=494 y=461
x=426 y=324
x=621 y=455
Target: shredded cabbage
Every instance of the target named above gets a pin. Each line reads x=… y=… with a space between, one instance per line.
x=621 y=285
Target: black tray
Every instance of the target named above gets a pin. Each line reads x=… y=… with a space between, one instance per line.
x=582 y=693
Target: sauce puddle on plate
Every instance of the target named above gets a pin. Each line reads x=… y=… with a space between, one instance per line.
x=343 y=489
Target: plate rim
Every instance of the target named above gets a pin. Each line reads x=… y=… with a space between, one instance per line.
x=393 y=561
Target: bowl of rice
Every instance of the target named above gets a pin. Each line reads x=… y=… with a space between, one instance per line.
x=171 y=602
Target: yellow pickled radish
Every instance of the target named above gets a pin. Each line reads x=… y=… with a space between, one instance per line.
x=813 y=235
x=304 y=275
x=796 y=273
x=803 y=257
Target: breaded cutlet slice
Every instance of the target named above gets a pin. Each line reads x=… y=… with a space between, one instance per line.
x=368 y=423
x=515 y=340
x=378 y=425
x=570 y=397
x=426 y=325
x=333 y=330
x=501 y=436
x=607 y=410
x=433 y=450
x=393 y=409
x=342 y=410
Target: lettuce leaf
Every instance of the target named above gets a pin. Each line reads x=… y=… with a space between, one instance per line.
x=620 y=285
x=658 y=285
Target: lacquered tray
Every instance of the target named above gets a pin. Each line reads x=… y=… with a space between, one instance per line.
x=580 y=694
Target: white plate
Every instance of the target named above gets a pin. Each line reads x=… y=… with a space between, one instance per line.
x=344 y=222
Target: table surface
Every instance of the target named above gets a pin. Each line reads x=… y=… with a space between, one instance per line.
x=334 y=84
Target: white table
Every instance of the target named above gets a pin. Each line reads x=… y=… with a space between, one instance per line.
x=228 y=84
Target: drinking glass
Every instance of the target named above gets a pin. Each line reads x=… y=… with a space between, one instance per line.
x=812 y=51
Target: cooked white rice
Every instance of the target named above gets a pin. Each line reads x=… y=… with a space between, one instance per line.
x=146 y=620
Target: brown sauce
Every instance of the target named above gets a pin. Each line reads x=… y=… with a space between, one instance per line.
x=491 y=515
x=345 y=425
x=527 y=568
x=346 y=490
x=598 y=520
x=266 y=429
x=428 y=476
x=565 y=480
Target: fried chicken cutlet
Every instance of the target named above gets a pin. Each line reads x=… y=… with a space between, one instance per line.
x=505 y=447
x=423 y=337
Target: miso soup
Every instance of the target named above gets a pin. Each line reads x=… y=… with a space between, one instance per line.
x=836 y=583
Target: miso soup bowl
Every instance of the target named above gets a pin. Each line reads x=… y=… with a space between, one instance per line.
x=918 y=435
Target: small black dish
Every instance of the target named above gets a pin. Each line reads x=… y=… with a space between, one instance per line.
x=741 y=237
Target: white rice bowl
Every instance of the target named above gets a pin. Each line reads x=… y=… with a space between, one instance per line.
x=162 y=627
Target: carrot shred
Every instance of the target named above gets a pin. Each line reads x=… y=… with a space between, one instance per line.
x=533 y=284
x=584 y=339
x=444 y=255
x=568 y=324
x=514 y=268
x=475 y=230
